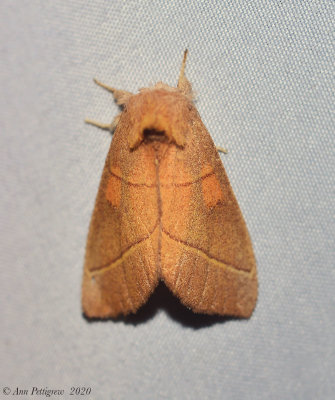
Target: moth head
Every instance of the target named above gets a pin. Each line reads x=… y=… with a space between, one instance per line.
x=158 y=114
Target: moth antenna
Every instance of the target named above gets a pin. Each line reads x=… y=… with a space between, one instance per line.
x=120 y=96
x=184 y=84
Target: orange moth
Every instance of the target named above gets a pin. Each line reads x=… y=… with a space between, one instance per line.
x=165 y=210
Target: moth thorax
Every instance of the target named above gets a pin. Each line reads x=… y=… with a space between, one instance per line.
x=158 y=115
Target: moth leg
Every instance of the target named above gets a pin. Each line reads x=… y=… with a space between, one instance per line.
x=221 y=149
x=107 y=127
x=120 y=96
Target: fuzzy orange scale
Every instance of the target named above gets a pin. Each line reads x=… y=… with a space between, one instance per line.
x=211 y=189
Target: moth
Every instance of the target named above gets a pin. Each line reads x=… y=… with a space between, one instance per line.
x=165 y=211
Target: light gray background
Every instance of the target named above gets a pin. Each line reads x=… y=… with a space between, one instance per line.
x=264 y=75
